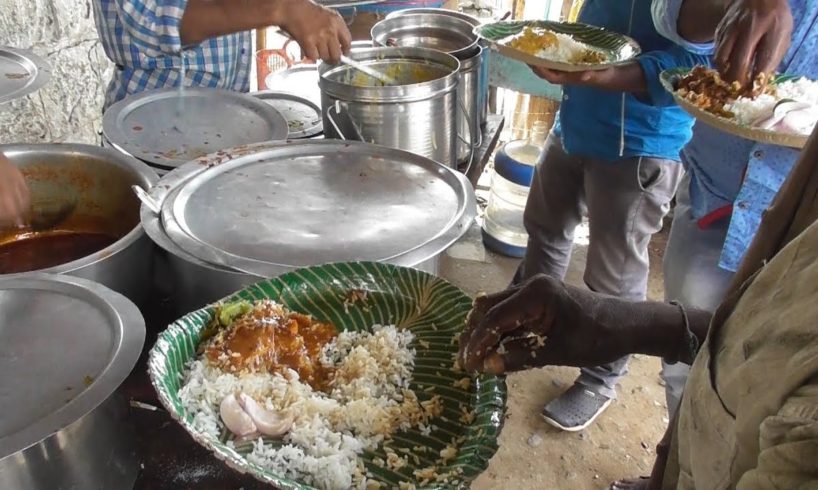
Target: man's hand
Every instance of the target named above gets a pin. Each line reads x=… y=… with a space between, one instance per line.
x=557 y=77
x=628 y=77
x=543 y=322
x=15 y=200
x=321 y=32
x=752 y=38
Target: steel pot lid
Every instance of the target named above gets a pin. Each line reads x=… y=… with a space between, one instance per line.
x=169 y=127
x=445 y=33
x=277 y=207
x=300 y=80
x=303 y=116
x=65 y=345
x=474 y=21
x=21 y=73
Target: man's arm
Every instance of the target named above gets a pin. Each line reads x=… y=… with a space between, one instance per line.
x=169 y=25
x=639 y=77
x=750 y=36
x=545 y=322
x=321 y=32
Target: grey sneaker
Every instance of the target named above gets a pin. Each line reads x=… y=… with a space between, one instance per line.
x=575 y=409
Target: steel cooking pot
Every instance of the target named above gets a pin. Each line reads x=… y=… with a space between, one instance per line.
x=66 y=345
x=100 y=181
x=225 y=221
x=483 y=79
x=419 y=114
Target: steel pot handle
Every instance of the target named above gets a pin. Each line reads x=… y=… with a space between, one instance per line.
x=337 y=127
x=147 y=200
x=332 y=121
x=472 y=144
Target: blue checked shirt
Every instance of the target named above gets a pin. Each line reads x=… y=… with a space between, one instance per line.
x=141 y=37
x=726 y=170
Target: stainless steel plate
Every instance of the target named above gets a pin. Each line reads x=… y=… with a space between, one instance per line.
x=21 y=73
x=65 y=345
x=336 y=4
x=168 y=127
x=306 y=203
x=303 y=116
x=300 y=80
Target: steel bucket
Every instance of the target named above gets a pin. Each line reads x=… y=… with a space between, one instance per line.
x=417 y=117
x=483 y=81
x=101 y=178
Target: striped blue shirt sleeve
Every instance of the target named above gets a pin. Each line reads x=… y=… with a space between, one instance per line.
x=153 y=23
x=666 y=18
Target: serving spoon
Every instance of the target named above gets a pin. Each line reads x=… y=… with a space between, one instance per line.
x=381 y=77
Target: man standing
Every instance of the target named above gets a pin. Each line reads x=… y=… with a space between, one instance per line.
x=730 y=181
x=749 y=417
x=154 y=43
x=614 y=150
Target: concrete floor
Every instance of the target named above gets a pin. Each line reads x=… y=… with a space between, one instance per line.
x=532 y=454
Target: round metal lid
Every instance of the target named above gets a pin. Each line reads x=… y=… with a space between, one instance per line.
x=169 y=127
x=311 y=202
x=65 y=345
x=303 y=116
x=299 y=80
x=21 y=73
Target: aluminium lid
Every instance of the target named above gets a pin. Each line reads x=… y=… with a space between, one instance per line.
x=278 y=207
x=169 y=127
x=21 y=72
x=65 y=345
x=303 y=115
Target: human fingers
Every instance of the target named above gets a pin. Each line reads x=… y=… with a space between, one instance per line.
x=309 y=50
x=334 y=48
x=526 y=309
x=771 y=50
x=480 y=306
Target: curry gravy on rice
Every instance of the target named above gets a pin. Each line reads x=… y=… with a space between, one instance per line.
x=272 y=339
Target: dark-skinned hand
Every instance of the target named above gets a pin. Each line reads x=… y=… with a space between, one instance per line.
x=558 y=77
x=752 y=38
x=542 y=322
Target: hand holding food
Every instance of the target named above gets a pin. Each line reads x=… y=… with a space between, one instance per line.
x=588 y=77
x=543 y=322
x=321 y=32
x=752 y=38
x=770 y=105
x=14 y=194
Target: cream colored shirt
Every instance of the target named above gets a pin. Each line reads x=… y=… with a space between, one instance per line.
x=749 y=416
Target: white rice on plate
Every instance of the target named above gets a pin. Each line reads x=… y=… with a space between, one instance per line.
x=370 y=401
x=748 y=111
x=566 y=49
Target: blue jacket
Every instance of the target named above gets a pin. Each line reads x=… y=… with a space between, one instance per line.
x=591 y=121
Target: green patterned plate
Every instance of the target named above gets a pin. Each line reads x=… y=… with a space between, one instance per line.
x=618 y=48
x=431 y=308
x=731 y=126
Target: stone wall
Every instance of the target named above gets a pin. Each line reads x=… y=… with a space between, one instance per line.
x=69 y=108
